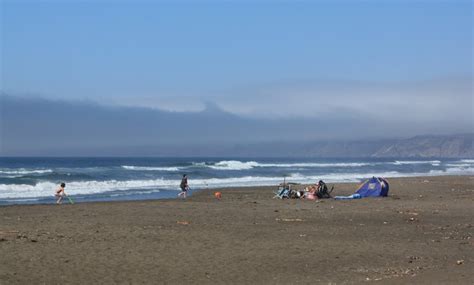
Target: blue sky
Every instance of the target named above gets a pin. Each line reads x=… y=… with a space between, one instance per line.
x=406 y=67
x=82 y=49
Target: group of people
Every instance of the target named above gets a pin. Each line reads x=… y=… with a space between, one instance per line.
x=316 y=191
x=320 y=190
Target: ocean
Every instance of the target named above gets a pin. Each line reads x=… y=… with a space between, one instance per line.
x=34 y=180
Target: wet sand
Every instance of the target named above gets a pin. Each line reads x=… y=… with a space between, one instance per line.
x=421 y=234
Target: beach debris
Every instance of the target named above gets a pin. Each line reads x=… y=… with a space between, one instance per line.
x=411 y=219
x=426 y=181
x=413 y=258
x=5 y=234
x=385 y=223
x=8 y=232
x=302 y=235
x=289 y=220
x=182 y=222
x=459 y=262
x=21 y=236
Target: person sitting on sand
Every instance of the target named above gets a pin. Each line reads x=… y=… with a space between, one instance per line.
x=311 y=189
x=184 y=186
x=310 y=192
x=60 y=193
x=322 y=190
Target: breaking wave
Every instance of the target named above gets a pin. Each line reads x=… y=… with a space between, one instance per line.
x=47 y=189
x=23 y=171
x=148 y=168
x=406 y=162
x=239 y=165
x=233 y=165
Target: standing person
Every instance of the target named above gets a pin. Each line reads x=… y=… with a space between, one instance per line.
x=60 y=193
x=184 y=186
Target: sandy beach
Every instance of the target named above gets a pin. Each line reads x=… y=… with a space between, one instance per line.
x=421 y=234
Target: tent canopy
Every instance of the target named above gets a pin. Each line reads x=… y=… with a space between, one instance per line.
x=373 y=187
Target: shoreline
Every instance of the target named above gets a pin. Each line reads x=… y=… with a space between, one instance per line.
x=422 y=233
x=133 y=198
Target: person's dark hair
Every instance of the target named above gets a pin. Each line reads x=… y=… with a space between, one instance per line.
x=320 y=182
x=63 y=184
x=184 y=175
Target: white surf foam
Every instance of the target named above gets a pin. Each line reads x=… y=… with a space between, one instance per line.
x=337 y=164
x=47 y=189
x=247 y=165
x=460 y=170
x=149 y=168
x=233 y=165
x=23 y=171
x=240 y=165
x=462 y=165
x=407 y=162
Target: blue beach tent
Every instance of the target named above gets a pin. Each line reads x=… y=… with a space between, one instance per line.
x=373 y=187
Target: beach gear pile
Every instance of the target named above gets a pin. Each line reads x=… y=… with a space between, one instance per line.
x=373 y=187
x=284 y=191
x=312 y=192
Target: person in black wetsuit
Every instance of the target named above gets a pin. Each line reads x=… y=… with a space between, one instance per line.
x=322 y=191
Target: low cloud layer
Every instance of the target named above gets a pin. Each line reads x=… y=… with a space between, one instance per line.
x=35 y=126
x=421 y=100
x=443 y=104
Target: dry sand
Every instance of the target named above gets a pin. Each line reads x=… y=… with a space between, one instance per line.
x=421 y=234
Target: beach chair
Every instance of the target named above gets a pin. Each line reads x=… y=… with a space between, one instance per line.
x=284 y=191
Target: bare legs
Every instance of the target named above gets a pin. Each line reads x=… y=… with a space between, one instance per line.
x=182 y=194
x=59 y=199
